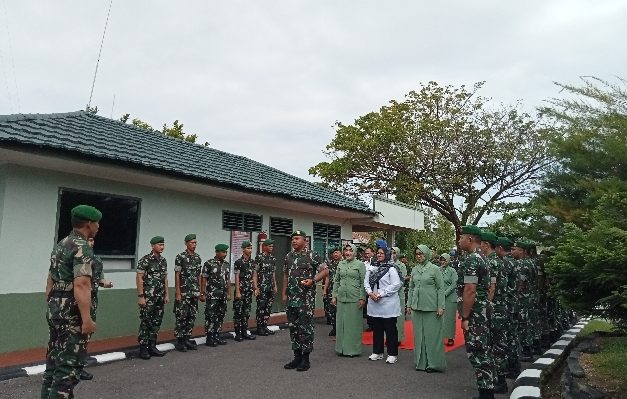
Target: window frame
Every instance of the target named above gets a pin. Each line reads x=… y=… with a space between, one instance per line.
x=243 y=214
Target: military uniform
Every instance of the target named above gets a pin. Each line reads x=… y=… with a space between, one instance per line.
x=500 y=344
x=154 y=269
x=188 y=265
x=329 y=309
x=265 y=266
x=97 y=277
x=217 y=274
x=513 y=307
x=71 y=258
x=241 y=307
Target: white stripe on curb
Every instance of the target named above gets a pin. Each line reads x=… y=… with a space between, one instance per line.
x=110 y=357
x=34 y=370
x=525 y=392
x=554 y=352
x=544 y=360
x=530 y=373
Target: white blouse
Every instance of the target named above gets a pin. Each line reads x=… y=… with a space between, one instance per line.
x=389 y=304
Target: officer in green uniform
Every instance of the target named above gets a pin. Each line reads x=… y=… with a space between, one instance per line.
x=264 y=284
x=187 y=267
x=523 y=271
x=244 y=267
x=476 y=312
x=153 y=294
x=68 y=291
x=327 y=289
x=215 y=289
x=302 y=269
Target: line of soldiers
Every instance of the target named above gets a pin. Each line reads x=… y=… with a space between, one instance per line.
x=507 y=312
x=210 y=283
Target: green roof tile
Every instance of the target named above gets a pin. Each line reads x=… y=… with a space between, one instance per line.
x=94 y=136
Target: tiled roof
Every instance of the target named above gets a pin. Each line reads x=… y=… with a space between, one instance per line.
x=113 y=141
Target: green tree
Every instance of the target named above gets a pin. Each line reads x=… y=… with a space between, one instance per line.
x=442 y=147
x=176 y=130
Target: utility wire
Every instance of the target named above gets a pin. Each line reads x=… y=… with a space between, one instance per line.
x=93 y=83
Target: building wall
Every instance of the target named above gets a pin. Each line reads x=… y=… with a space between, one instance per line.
x=28 y=216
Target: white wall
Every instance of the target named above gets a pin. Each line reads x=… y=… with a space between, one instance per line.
x=28 y=223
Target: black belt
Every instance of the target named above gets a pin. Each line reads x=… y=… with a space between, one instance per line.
x=62 y=294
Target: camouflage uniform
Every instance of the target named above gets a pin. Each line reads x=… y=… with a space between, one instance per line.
x=188 y=265
x=241 y=307
x=513 y=308
x=329 y=309
x=301 y=300
x=72 y=257
x=500 y=322
x=524 y=270
x=97 y=276
x=154 y=269
x=217 y=274
x=535 y=307
x=458 y=265
x=265 y=266
x=479 y=334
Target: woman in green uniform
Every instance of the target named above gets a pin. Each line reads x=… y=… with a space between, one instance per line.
x=400 y=320
x=449 y=276
x=349 y=296
x=426 y=301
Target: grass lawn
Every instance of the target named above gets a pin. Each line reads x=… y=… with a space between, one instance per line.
x=594 y=326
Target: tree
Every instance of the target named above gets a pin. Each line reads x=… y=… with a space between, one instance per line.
x=442 y=147
x=175 y=131
x=438 y=233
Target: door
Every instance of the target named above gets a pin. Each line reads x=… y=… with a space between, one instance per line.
x=282 y=245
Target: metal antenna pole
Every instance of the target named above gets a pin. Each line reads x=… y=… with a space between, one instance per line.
x=93 y=83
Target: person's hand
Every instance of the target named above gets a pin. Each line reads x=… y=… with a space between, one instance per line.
x=361 y=304
x=284 y=298
x=374 y=296
x=439 y=312
x=238 y=295
x=334 y=301
x=407 y=310
x=88 y=327
x=167 y=299
x=106 y=284
x=201 y=297
x=177 y=297
x=307 y=282
x=465 y=325
x=275 y=289
x=256 y=291
x=141 y=302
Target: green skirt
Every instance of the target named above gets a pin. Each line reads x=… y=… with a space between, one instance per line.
x=348 y=329
x=428 y=341
x=450 y=320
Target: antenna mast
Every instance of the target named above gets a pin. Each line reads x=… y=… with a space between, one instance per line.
x=93 y=83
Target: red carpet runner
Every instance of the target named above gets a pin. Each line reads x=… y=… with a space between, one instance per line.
x=408 y=343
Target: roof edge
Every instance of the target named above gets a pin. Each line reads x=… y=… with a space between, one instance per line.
x=24 y=117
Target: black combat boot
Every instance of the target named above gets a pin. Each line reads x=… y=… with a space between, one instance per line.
x=261 y=331
x=486 y=394
x=526 y=355
x=246 y=335
x=190 y=344
x=304 y=363
x=143 y=352
x=267 y=330
x=211 y=340
x=219 y=339
x=514 y=370
x=501 y=385
x=332 y=332
x=86 y=375
x=238 y=335
x=298 y=356
x=152 y=349
x=180 y=345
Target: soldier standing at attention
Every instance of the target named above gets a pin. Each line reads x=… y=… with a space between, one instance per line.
x=302 y=269
x=187 y=267
x=215 y=288
x=243 y=292
x=518 y=253
x=98 y=281
x=327 y=289
x=476 y=311
x=68 y=290
x=264 y=283
x=153 y=294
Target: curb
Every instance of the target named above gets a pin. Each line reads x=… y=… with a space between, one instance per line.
x=527 y=384
x=109 y=357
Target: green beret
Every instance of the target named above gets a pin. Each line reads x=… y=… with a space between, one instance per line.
x=299 y=233
x=268 y=242
x=471 y=229
x=504 y=242
x=519 y=244
x=335 y=249
x=157 y=240
x=221 y=247
x=86 y=212
x=190 y=237
x=246 y=244
x=489 y=237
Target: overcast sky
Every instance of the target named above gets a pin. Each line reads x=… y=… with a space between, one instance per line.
x=267 y=79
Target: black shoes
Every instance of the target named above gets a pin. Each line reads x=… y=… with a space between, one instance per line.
x=298 y=357
x=450 y=342
x=332 y=332
x=153 y=351
x=268 y=331
x=211 y=341
x=219 y=340
x=485 y=394
x=246 y=335
x=191 y=344
x=501 y=385
x=262 y=332
x=143 y=352
x=304 y=363
x=85 y=375
x=180 y=345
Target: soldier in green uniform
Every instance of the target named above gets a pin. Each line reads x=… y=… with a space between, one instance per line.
x=327 y=289
x=476 y=320
x=98 y=280
x=187 y=267
x=153 y=294
x=500 y=344
x=302 y=269
x=264 y=284
x=522 y=267
x=244 y=267
x=536 y=299
x=215 y=289
x=68 y=291
x=404 y=260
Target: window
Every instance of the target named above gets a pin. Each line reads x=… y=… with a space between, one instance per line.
x=241 y=221
x=117 y=237
x=325 y=237
x=280 y=226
